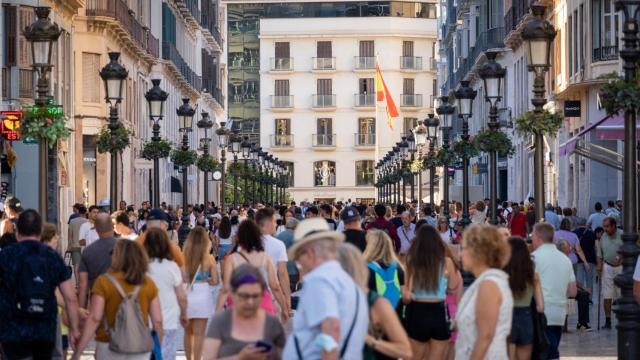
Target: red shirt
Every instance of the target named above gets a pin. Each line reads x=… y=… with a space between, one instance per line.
x=518 y=225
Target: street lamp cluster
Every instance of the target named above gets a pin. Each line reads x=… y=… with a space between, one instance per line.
x=269 y=176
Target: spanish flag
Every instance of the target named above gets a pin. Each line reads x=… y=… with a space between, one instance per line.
x=384 y=95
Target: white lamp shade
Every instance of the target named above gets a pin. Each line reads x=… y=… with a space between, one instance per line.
x=464 y=107
x=492 y=87
x=114 y=89
x=156 y=108
x=421 y=136
x=537 y=52
x=41 y=51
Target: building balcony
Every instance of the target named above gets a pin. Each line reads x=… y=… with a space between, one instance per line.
x=170 y=52
x=411 y=63
x=125 y=20
x=324 y=64
x=281 y=102
x=432 y=99
x=433 y=64
x=322 y=102
x=364 y=141
x=323 y=141
x=605 y=53
x=364 y=101
x=282 y=64
x=364 y=63
x=411 y=101
x=282 y=142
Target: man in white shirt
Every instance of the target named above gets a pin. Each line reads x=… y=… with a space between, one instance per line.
x=558 y=282
x=406 y=233
x=266 y=221
x=88 y=234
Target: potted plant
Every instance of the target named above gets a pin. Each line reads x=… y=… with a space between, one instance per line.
x=532 y=123
x=494 y=140
x=207 y=163
x=619 y=94
x=113 y=141
x=156 y=149
x=44 y=124
x=183 y=158
x=464 y=148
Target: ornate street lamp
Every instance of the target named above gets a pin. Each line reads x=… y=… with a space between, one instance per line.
x=41 y=34
x=538 y=34
x=445 y=111
x=223 y=141
x=627 y=310
x=411 y=141
x=155 y=99
x=246 y=156
x=113 y=76
x=464 y=101
x=420 y=135
x=395 y=164
x=254 y=165
x=492 y=75
x=432 y=123
x=205 y=123
x=185 y=123
x=235 y=144
x=404 y=150
x=261 y=178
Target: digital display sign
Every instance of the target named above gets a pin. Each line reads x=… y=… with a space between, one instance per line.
x=10 y=126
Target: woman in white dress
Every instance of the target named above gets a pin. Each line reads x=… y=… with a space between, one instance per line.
x=484 y=314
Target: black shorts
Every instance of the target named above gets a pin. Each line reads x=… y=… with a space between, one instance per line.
x=522 y=327
x=425 y=321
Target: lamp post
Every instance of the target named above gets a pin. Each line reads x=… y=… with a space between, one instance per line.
x=41 y=34
x=627 y=310
x=538 y=35
x=246 y=155
x=261 y=177
x=236 y=142
x=445 y=111
x=411 y=142
x=432 y=123
x=185 y=123
x=492 y=75
x=464 y=101
x=254 y=162
x=395 y=189
x=155 y=99
x=420 y=134
x=223 y=140
x=205 y=123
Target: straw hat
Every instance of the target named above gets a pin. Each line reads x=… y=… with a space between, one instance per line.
x=311 y=230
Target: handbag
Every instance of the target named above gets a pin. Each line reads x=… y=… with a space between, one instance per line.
x=540 y=340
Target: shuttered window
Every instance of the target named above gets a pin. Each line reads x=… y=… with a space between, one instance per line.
x=282 y=88
x=25 y=17
x=365 y=86
x=324 y=87
x=90 y=78
x=168 y=24
x=282 y=50
x=10 y=30
x=367 y=49
x=324 y=49
x=407 y=48
x=407 y=86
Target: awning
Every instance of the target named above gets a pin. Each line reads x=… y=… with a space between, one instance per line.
x=607 y=128
x=176 y=186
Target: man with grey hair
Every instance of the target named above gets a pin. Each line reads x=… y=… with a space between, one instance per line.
x=406 y=232
x=96 y=258
x=323 y=326
x=557 y=279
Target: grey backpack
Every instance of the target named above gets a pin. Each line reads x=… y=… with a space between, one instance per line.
x=129 y=334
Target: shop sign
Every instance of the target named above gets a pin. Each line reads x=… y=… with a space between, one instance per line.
x=572 y=108
x=10 y=126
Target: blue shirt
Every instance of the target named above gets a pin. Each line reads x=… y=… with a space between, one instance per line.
x=552 y=218
x=287 y=238
x=12 y=327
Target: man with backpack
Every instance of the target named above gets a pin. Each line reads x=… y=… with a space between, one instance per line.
x=30 y=272
x=382 y=224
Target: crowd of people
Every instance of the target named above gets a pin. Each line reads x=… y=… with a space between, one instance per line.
x=348 y=281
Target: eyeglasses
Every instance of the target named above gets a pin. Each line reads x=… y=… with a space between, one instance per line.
x=248 y=296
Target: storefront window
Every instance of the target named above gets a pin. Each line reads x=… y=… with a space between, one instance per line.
x=324 y=173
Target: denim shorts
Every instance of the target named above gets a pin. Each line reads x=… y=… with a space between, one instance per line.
x=522 y=327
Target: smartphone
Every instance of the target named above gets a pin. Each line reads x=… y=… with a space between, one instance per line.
x=266 y=346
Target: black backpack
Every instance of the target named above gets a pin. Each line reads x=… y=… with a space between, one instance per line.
x=34 y=296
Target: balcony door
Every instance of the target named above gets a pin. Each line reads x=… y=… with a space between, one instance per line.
x=366 y=86
x=367 y=125
x=323 y=49
x=367 y=48
x=407 y=48
x=282 y=88
x=283 y=132
x=324 y=135
x=408 y=86
x=324 y=87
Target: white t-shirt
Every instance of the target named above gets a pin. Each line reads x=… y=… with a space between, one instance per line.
x=223 y=241
x=446 y=236
x=166 y=275
x=88 y=233
x=556 y=273
x=276 y=249
x=131 y=236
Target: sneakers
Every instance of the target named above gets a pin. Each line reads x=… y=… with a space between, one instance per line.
x=607 y=326
x=585 y=328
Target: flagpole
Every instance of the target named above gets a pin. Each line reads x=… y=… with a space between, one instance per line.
x=376 y=128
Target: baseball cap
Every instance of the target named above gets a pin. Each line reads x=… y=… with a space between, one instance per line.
x=349 y=214
x=158 y=214
x=13 y=203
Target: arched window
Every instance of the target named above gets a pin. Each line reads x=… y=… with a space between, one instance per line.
x=324 y=173
x=364 y=173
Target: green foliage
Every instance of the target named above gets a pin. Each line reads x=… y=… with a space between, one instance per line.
x=464 y=148
x=115 y=141
x=431 y=160
x=183 y=158
x=446 y=156
x=44 y=124
x=156 y=149
x=619 y=94
x=494 y=140
x=544 y=122
x=207 y=163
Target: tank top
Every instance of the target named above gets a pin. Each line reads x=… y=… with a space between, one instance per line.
x=525 y=299
x=440 y=294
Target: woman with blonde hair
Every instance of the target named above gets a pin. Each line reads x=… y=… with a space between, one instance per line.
x=386 y=274
x=485 y=311
x=386 y=338
x=202 y=275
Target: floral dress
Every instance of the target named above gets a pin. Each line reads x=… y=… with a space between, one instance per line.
x=466 y=318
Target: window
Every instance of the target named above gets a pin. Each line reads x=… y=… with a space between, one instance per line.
x=324 y=49
x=409 y=124
x=604 y=24
x=570 y=39
x=282 y=50
x=365 y=86
x=407 y=48
x=324 y=135
x=324 y=87
x=364 y=173
x=26 y=17
x=367 y=48
x=407 y=86
x=283 y=132
x=90 y=77
x=282 y=88
x=366 y=125
x=289 y=166
x=10 y=26
x=324 y=126
x=324 y=173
